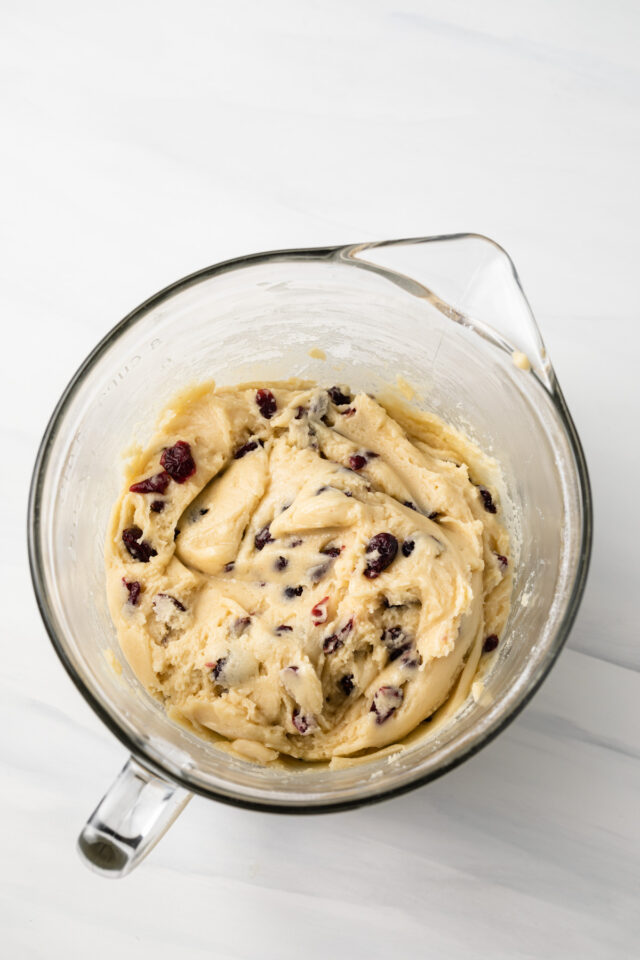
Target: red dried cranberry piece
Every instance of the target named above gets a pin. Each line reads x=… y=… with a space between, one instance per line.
x=157 y=506
x=490 y=643
x=134 y=589
x=357 y=461
x=487 y=500
x=349 y=412
x=338 y=397
x=336 y=640
x=174 y=601
x=262 y=538
x=504 y=563
x=281 y=563
x=156 y=484
x=396 y=641
x=346 y=684
x=408 y=548
x=331 y=551
x=291 y=592
x=178 y=462
x=385 y=702
x=247 y=448
x=319 y=612
x=303 y=722
x=332 y=643
x=139 y=549
x=266 y=403
x=385 y=546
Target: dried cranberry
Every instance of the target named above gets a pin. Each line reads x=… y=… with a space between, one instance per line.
x=303 y=722
x=262 y=538
x=280 y=563
x=331 y=551
x=357 y=461
x=408 y=548
x=336 y=640
x=396 y=641
x=157 y=506
x=346 y=684
x=240 y=625
x=411 y=660
x=217 y=668
x=385 y=546
x=349 y=412
x=156 y=484
x=385 y=702
x=229 y=566
x=283 y=628
x=490 y=643
x=178 y=462
x=319 y=612
x=338 y=397
x=266 y=403
x=174 y=601
x=140 y=550
x=134 y=589
x=487 y=500
x=504 y=563
x=247 y=448
x=291 y=592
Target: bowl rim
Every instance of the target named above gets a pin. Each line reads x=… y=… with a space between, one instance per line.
x=136 y=747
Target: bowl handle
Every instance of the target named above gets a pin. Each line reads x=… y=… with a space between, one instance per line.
x=136 y=811
x=471 y=279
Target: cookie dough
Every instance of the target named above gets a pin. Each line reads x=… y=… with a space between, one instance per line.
x=304 y=571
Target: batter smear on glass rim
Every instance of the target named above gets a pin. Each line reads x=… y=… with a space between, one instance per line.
x=305 y=571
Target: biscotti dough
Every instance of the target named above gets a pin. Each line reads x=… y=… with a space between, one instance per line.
x=306 y=572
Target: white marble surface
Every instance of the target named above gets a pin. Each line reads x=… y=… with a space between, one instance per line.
x=141 y=141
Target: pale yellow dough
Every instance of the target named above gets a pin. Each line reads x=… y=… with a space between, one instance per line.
x=214 y=634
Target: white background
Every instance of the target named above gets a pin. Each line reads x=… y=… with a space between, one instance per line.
x=141 y=141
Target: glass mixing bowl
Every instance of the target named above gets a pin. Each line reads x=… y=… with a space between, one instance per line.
x=444 y=313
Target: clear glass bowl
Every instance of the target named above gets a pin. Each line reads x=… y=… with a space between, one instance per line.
x=445 y=313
